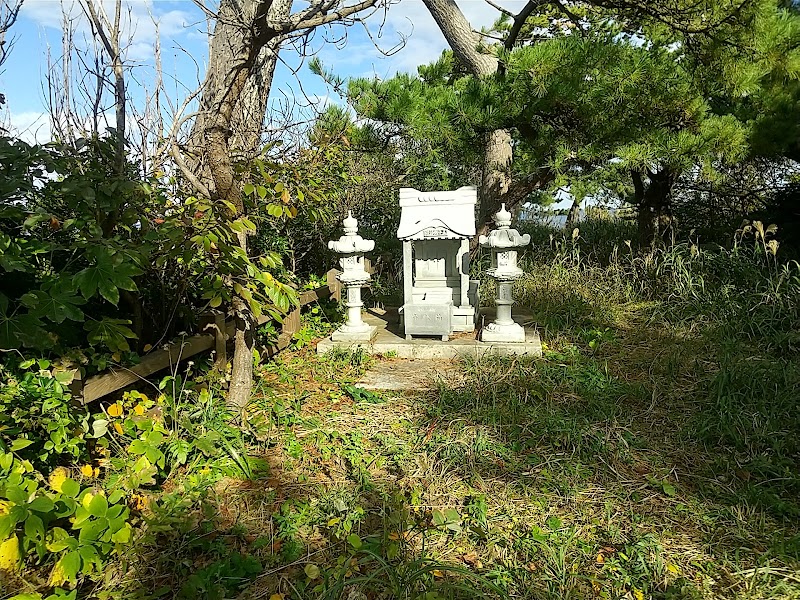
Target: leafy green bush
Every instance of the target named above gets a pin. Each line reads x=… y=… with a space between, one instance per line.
x=102 y=259
x=70 y=474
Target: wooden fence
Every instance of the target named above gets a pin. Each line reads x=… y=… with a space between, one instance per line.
x=217 y=332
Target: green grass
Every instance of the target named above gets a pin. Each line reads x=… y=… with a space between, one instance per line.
x=652 y=452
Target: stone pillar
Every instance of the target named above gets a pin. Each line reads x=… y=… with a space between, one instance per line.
x=351 y=248
x=503 y=243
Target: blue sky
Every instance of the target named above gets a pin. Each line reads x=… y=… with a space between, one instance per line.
x=182 y=33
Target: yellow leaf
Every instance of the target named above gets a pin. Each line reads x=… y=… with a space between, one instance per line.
x=139 y=409
x=96 y=471
x=115 y=410
x=4 y=507
x=147 y=348
x=140 y=502
x=87 y=471
x=118 y=428
x=57 y=478
x=437 y=573
x=276 y=597
x=638 y=594
x=116 y=356
x=672 y=569
x=87 y=499
x=9 y=554
x=600 y=558
x=58 y=576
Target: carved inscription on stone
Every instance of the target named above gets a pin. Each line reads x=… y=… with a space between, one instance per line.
x=428 y=319
x=435 y=232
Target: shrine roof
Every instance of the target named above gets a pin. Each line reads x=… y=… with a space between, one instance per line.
x=447 y=214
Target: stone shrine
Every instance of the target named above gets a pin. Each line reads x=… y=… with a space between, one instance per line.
x=503 y=243
x=435 y=228
x=351 y=248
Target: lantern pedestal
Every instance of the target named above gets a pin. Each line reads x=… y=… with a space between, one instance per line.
x=354 y=328
x=503 y=328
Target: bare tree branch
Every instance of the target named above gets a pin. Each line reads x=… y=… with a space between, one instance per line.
x=316 y=15
x=109 y=35
x=9 y=11
x=519 y=21
x=505 y=11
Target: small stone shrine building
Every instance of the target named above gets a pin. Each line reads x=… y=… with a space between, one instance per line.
x=435 y=228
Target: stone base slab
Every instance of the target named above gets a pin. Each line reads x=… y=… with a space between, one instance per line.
x=513 y=333
x=355 y=336
x=390 y=341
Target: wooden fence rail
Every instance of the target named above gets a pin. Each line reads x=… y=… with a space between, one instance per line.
x=219 y=331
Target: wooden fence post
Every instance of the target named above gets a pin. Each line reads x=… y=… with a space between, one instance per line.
x=334 y=285
x=291 y=322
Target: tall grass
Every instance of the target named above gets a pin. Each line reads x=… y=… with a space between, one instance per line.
x=583 y=276
x=739 y=305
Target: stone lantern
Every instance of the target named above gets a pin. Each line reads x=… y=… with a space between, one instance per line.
x=503 y=243
x=350 y=248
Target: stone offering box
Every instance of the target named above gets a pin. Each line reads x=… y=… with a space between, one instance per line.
x=435 y=228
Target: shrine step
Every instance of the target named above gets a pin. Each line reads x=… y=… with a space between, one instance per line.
x=409 y=375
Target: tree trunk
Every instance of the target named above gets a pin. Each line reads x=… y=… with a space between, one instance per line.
x=655 y=221
x=498 y=152
x=233 y=59
x=242 y=55
x=574 y=214
x=247 y=120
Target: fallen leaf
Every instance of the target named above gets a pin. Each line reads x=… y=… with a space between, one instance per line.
x=471 y=558
x=600 y=558
x=312 y=571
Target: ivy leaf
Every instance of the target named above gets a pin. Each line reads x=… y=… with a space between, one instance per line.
x=112 y=333
x=107 y=276
x=22 y=330
x=57 y=305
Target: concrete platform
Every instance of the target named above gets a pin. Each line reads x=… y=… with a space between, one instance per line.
x=390 y=340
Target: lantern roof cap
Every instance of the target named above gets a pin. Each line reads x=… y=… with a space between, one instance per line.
x=351 y=242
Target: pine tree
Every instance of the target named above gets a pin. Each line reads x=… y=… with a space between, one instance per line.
x=615 y=91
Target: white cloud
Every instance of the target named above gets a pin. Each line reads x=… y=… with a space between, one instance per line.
x=30 y=126
x=143 y=21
